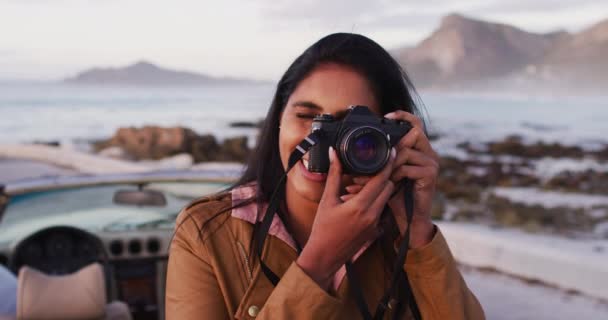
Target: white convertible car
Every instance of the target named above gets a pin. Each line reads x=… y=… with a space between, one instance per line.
x=58 y=226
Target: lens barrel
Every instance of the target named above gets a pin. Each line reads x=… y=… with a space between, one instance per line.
x=364 y=150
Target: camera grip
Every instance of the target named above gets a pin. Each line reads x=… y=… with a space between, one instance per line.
x=319 y=157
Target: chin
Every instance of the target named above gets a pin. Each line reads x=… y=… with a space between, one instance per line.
x=311 y=191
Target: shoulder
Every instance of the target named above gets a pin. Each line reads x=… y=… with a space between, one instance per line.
x=204 y=213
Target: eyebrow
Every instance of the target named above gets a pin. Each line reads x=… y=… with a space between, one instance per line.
x=316 y=107
x=307 y=104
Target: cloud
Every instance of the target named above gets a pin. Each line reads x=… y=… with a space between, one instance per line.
x=325 y=12
x=387 y=14
x=8 y=53
x=544 y=6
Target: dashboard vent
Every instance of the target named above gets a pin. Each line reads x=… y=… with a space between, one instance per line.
x=117 y=247
x=153 y=246
x=135 y=246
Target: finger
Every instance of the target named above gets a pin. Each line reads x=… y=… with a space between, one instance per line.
x=414 y=172
x=375 y=185
x=416 y=139
x=418 y=128
x=405 y=116
x=353 y=188
x=414 y=157
x=362 y=180
x=332 y=184
x=346 y=197
x=382 y=199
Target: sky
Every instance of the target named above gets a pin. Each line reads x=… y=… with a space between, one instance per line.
x=54 y=39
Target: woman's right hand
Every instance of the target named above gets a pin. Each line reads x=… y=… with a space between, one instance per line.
x=340 y=229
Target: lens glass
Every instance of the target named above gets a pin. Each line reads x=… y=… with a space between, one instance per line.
x=365 y=148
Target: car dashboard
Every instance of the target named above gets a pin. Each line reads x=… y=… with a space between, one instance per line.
x=131 y=242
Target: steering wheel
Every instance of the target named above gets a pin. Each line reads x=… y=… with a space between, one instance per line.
x=61 y=250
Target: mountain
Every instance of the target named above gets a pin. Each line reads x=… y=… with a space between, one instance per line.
x=146 y=73
x=469 y=53
x=582 y=58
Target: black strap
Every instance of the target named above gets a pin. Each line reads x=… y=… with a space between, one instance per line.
x=275 y=200
x=398 y=273
x=409 y=297
x=355 y=289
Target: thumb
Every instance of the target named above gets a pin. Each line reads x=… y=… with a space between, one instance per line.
x=334 y=175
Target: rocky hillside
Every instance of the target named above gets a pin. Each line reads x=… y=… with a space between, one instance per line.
x=583 y=56
x=465 y=51
x=146 y=73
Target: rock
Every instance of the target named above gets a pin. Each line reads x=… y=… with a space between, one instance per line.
x=468 y=213
x=563 y=220
x=602 y=154
x=438 y=208
x=150 y=142
x=154 y=143
x=234 y=149
x=204 y=148
x=247 y=124
x=588 y=181
x=52 y=143
x=514 y=146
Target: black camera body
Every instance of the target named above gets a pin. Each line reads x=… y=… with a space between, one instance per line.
x=362 y=141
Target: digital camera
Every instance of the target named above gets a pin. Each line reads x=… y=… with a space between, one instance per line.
x=362 y=141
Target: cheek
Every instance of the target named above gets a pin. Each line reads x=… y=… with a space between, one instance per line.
x=289 y=137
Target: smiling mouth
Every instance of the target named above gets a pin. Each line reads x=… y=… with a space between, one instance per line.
x=305 y=162
x=314 y=176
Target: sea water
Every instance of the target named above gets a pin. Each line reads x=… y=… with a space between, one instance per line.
x=69 y=113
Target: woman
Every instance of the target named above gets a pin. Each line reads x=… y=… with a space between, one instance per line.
x=326 y=220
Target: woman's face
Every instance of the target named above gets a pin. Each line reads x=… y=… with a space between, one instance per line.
x=330 y=88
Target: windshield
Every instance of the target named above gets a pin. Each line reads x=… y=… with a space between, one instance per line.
x=93 y=208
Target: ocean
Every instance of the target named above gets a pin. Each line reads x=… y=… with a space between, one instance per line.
x=73 y=114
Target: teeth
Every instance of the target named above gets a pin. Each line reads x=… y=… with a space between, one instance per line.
x=305 y=162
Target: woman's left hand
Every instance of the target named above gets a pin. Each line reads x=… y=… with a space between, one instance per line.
x=416 y=160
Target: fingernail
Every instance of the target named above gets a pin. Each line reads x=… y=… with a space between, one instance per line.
x=393 y=153
x=389 y=115
x=332 y=154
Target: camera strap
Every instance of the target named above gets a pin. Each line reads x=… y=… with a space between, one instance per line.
x=275 y=200
x=398 y=275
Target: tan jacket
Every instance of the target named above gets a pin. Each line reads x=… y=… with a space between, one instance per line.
x=213 y=277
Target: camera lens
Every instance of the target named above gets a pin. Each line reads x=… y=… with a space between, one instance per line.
x=365 y=150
